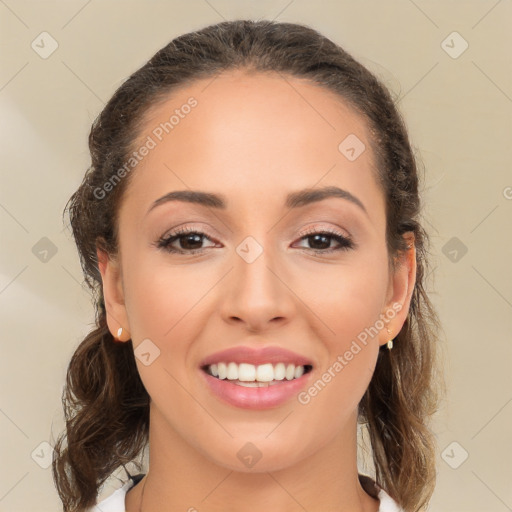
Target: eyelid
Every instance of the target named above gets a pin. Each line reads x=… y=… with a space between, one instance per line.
x=186 y=227
x=312 y=229
x=315 y=228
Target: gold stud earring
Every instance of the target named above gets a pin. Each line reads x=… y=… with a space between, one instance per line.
x=118 y=337
x=390 y=342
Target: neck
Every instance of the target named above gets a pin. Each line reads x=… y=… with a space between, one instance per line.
x=182 y=478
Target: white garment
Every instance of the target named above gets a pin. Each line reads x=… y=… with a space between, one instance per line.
x=116 y=501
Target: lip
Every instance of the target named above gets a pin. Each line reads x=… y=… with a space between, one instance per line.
x=256 y=356
x=256 y=398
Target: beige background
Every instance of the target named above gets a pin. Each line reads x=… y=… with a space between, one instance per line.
x=458 y=111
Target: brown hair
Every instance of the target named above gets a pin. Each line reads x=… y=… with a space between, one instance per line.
x=106 y=405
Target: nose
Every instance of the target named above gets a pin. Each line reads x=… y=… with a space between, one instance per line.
x=256 y=295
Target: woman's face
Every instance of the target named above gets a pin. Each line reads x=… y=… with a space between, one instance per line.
x=258 y=277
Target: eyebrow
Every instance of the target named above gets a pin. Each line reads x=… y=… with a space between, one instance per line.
x=296 y=199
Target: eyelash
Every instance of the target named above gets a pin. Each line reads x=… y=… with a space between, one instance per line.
x=346 y=243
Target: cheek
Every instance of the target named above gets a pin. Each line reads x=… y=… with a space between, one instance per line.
x=164 y=306
x=348 y=296
x=348 y=300
x=159 y=298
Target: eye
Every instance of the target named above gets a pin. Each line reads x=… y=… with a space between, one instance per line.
x=190 y=240
x=323 y=238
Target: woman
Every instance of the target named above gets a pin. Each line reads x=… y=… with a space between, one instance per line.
x=250 y=226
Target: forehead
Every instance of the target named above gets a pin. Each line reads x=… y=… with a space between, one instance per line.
x=248 y=133
x=253 y=111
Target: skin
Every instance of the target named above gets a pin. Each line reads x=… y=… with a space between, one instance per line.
x=254 y=138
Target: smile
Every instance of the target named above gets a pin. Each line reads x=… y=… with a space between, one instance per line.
x=250 y=387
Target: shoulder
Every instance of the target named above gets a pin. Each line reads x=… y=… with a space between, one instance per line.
x=387 y=503
x=116 y=501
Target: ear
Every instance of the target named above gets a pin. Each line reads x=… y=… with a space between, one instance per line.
x=113 y=294
x=400 y=289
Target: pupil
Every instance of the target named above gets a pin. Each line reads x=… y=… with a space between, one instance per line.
x=191 y=237
x=316 y=237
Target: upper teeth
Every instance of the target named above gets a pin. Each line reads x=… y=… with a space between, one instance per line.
x=250 y=373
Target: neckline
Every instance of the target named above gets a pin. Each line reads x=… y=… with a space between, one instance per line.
x=367 y=483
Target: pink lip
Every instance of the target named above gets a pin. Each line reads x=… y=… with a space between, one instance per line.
x=256 y=356
x=256 y=398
